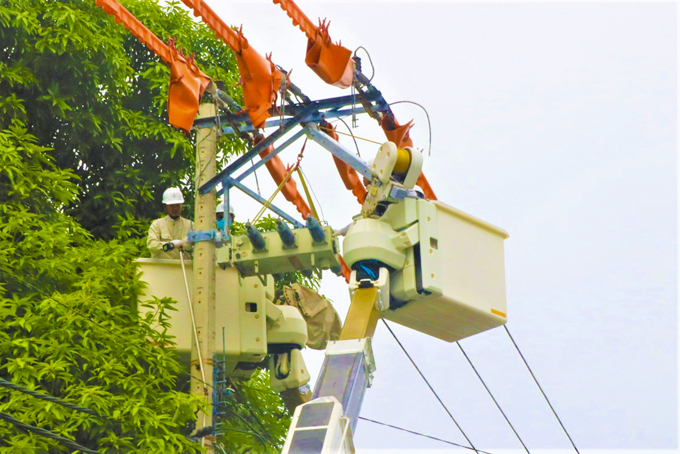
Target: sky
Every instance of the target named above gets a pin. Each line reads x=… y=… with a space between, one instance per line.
x=558 y=123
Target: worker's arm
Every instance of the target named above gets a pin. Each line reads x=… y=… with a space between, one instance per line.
x=342 y=231
x=154 y=242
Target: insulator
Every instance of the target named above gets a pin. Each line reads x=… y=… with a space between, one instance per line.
x=255 y=237
x=287 y=236
x=315 y=229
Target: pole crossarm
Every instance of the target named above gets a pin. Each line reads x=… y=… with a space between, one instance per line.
x=327 y=108
x=314 y=118
x=250 y=154
x=276 y=151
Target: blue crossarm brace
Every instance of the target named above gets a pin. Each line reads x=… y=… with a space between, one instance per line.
x=269 y=140
x=338 y=150
x=276 y=151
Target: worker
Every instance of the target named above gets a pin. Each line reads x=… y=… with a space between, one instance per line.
x=219 y=215
x=172 y=228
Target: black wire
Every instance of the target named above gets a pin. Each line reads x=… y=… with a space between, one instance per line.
x=429 y=385
x=421 y=434
x=369 y=60
x=63 y=403
x=46 y=433
x=539 y=387
x=429 y=124
x=492 y=396
x=351 y=134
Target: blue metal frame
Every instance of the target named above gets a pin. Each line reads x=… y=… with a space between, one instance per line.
x=269 y=140
x=314 y=118
x=338 y=150
x=324 y=106
x=276 y=151
x=308 y=114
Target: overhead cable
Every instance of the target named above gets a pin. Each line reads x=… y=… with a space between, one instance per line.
x=351 y=133
x=540 y=388
x=47 y=434
x=429 y=385
x=422 y=435
x=370 y=60
x=48 y=398
x=429 y=124
x=492 y=396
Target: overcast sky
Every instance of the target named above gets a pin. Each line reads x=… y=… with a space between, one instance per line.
x=556 y=122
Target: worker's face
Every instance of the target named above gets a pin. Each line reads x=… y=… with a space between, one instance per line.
x=174 y=210
x=219 y=216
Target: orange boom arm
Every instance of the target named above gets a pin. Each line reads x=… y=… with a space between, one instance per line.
x=260 y=79
x=187 y=81
x=330 y=61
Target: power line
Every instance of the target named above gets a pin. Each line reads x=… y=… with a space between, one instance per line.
x=422 y=435
x=48 y=398
x=46 y=433
x=540 y=388
x=492 y=396
x=429 y=385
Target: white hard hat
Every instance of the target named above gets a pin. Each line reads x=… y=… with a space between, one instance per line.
x=231 y=210
x=173 y=196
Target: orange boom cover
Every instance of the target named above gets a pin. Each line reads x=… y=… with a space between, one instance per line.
x=330 y=61
x=187 y=81
x=260 y=79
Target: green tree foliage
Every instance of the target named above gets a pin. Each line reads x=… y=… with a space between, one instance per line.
x=85 y=152
x=69 y=323
x=252 y=418
x=87 y=88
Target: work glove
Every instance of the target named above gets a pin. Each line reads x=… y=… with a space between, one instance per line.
x=174 y=244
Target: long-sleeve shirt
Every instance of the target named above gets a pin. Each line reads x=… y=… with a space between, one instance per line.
x=164 y=230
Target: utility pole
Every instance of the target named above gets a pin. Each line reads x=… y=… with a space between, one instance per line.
x=204 y=270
